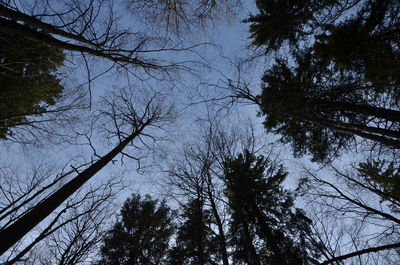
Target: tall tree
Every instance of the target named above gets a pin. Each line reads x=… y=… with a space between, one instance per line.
x=342 y=78
x=141 y=235
x=129 y=125
x=265 y=226
x=319 y=110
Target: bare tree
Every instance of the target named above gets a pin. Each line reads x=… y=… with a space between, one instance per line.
x=92 y=34
x=71 y=233
x=92 y=27
x=179 y=17
x=198 y=174
x=356 y=218
x=129 y=123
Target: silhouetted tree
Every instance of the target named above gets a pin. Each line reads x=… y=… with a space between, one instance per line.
x=365 y=200
x=195 y=240
x=342 y=77
x=319 y=111
x=265 y=227
x=129 y=124
x=141 y=235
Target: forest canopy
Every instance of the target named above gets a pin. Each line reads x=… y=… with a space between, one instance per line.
x=131 y=132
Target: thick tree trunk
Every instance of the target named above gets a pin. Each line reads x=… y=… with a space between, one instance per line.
x=356 y=130
x=13 y=233
x=36 y=23
x=366 y=132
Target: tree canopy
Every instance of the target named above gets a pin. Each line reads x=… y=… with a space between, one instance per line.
x=143 y=85
x=142 y=234
x=342 y=80
x=265 y=226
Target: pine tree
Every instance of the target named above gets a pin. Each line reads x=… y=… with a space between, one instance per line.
x=265 y=227
x=141 y=236
x=195 y=241
x=342 y=79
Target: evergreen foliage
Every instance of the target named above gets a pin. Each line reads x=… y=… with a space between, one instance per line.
x=29 y=83
x=265 y=226
x=343 y=80
x=195 y=242
x=384 y=178
x=141 y=236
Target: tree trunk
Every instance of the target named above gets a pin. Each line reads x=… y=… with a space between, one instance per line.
x=12 y=234
x=361 y=252
x=387 y=114
x=12 y=27
x=221 y=234
x=354 y=129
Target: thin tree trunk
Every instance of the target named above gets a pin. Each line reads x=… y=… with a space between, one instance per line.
x=361 y=252
x=12 y=234
x=221 y=234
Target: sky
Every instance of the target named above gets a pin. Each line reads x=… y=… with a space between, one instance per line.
x=226 y=43
x=191 y=93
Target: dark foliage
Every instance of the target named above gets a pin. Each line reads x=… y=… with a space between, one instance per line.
x=141 y=236
x=195 y=243
x=343 y=80
x=29 y=83
x=265 y=227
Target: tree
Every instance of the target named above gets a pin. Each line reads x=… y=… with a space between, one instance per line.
x=342 y=79
x=179 y=17
x=86 y=32
x=320 y=112
x=365 y=201
x=70 y=233
x=29 y=80
x=265 y=226
x=141 y=235
x=92 y=27
x=195 y=176
x=129 y=124
x=195 y=240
